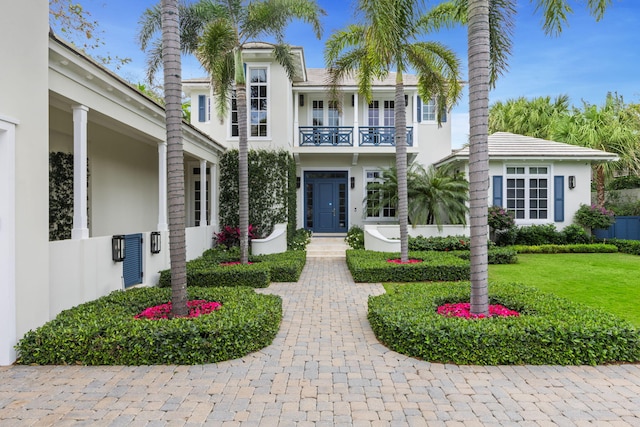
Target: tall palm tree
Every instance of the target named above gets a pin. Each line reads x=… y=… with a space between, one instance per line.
x=532 y=117
x=216 y=31
x=175 y=162
x=608 y=128
x=388 y=39
x=489 y=24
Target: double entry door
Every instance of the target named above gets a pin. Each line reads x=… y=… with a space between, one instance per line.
x=325 y=201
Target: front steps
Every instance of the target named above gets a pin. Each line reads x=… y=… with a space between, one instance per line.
x=329 y=246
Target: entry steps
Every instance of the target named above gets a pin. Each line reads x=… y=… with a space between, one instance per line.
x=327 y=246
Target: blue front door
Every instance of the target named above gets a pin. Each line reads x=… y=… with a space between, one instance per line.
x=132 y=264
x=326 y=201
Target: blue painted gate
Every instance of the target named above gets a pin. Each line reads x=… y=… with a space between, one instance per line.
x=625 y=227
x=132 y=264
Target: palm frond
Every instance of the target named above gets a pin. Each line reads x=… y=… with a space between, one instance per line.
x=284 y=56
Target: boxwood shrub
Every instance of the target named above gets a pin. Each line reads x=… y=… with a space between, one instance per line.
x=564 y=249
x=495 y=255
x=206 y=270
x=370 y=266
x=626 y=246
x=549 y=331
x=104 y=331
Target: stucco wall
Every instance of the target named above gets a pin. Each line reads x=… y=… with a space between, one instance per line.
x=24 y=97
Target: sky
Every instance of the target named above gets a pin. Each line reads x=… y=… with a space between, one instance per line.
x=586 y=61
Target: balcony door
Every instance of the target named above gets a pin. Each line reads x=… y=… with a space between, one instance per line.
x=325 y=201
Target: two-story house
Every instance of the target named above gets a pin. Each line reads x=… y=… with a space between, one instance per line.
x=338 y=146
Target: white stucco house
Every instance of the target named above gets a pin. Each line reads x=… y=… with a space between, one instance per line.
x=57 y=103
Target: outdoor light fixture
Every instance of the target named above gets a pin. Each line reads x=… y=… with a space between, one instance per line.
x=301 y=100
x=117 y=248
x=572 y=182
x=155 y=242
x=297 y=182
x=353 y=182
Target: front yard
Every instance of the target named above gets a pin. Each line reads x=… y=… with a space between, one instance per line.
x=610 y=282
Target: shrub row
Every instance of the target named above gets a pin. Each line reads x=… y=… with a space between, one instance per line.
x=372 y=267
x=532 y=235
x=495 y=255
x=626 y=246
x=104 y=331
x=438 y=243
x=564 y=249
x=206 y=270
x=549 y=331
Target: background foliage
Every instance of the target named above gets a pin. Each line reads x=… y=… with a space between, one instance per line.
x=60 y=195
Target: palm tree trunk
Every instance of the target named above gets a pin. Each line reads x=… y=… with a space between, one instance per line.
x=478 y=36
x=401 y=166
x=175 y=159
x=243 y=165
x=600 y=185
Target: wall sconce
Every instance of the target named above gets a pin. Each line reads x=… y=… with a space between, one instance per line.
x=297 y=182
x=572 y=182
x=301 y=100
x=117 y=248
x=155 y=242
x=353 y=182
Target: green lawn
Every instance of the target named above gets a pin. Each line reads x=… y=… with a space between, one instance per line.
x=607 y=281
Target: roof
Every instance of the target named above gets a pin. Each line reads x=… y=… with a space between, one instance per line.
x=317 y=77
x=510 y=146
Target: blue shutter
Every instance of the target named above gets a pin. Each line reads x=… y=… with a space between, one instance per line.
x=132 y=264
x=419 y=109
x=443 y=118
x=202 y=108
x=558 y=198
x=497 y=190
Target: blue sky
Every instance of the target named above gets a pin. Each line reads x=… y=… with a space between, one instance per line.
x=585 y=62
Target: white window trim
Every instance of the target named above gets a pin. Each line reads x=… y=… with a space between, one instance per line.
x=381 y=101
x=325 y=112
x=253 y=66
x=435 y=117
x=365 y=181
x=230 y=137
x=550 y=191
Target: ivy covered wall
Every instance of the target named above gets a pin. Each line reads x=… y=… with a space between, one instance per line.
x=60 y=195
x=272 y=191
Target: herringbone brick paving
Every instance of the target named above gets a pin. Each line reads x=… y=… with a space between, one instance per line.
x=325 y=368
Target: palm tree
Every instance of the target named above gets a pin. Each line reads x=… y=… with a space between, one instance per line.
x=438 y=196
x=489 y=24
x=608 y=128
x=216 y=31
x=175 y=162
x=388 y=40
x=532 y=117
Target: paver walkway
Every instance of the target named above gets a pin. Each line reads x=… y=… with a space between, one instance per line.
x=325 y=368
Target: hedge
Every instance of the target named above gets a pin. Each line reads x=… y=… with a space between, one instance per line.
x=206 y=271
x=104 y=331
x=371 y=267
x=549 y=331
x=564 y=249
x=626 y=246
x=494 y=256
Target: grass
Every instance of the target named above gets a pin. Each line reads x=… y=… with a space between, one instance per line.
x=606 y=281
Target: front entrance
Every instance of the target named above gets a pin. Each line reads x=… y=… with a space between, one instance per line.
x=325 y=201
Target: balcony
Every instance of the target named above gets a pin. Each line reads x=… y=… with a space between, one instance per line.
x=368 y=136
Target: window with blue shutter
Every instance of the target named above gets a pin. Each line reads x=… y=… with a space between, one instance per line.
x=419 y=103
x=202 y=108
x=558 y=198
x=497 y=190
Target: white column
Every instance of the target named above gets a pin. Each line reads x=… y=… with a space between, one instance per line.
x=162 y=187
x=80 y=224
x=214 y=195
x=8 y=322
x=296 y=120
x=356 y=123
x=203 y=194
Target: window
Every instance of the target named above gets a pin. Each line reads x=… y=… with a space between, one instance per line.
x=318 y=113
x=333 y=114
x=429 y=112
x=374 y=196
x=234 y=114
x=528 y=192
x=382 y=117
x=204 y=108
x=258 y=102
x=389 y=113
x=374 y=113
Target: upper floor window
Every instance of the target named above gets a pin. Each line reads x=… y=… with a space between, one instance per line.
x=378 y=203
x=204 y=108
x=427 y=112
x=325 y=117
x=528 y=192
x=258 y=102
x=234 y=114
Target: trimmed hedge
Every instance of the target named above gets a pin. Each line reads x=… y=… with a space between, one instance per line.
x=626 y=246
x=549 y=331
x=439 y=243
x=565 y=249
x=495 y=255
x=206 y=271
x=104 y=331
x=372 y=267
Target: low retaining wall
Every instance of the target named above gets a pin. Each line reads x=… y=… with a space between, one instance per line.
x=386 y=238
x=274 y=243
